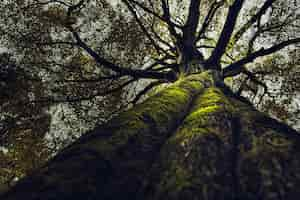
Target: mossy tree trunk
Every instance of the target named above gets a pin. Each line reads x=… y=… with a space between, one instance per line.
x=225 y=149
x=190 y=141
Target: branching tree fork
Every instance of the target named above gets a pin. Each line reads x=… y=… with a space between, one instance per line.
x=183 y=50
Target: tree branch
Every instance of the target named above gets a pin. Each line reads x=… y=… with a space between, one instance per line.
x=161 y=40
x=255 y=80
x=238 y=67
x=133 y=12
x=210 y=15
x=136 y=73
x=226 y=33
x=253 y=19
x=90 y=97
x=153 y=13
x=190 y=27
x=167 y=17
x=98 y=79
x=145 y=90
x=276 y=125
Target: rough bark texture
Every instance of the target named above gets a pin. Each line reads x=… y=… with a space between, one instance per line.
x=111 y=161
x=221 y=151
x=190 y=141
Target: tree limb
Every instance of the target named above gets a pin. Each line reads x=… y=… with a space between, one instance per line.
x=226 y=33
x=276 y=125
x=190 y=27
x=136 y=73
x=153 y=13
x=167 y=17
x=253 y=19
x=133 y=12
x=211 y=13
x=145 y=90
x=85 y=98
x=238 y=67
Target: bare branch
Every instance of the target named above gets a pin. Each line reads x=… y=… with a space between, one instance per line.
x=167 y=17
x=144 y=29
x=160 y=39
x=145 y=90
x=226 y=33
x=238 y=67
x=253 y=19
x=152 y=13
x=268 y=122
x=122 y=70
x=83 y=98
x=136 y=73
x=210 y=15
x=98 y=79
x=190 y=27
x=255 y=80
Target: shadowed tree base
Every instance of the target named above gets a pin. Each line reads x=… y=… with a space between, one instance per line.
x=190 y=141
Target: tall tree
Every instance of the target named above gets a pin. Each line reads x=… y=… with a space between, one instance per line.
x=195 y=139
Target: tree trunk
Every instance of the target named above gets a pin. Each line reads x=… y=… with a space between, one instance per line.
x=225 y=149
x=190 y=141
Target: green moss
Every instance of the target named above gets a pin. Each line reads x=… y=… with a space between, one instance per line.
x=198 y=128
x=129 y=137
x=196 y=82
x=212 y=96
x=202 y=112
x=159 y=112
x=194 y=159
x=207 y=105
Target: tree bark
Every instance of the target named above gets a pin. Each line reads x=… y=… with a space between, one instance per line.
x=224 y=150
x=190 y=141
x=111 y=161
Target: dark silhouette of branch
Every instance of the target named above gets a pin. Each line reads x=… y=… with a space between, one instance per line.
x=83 y=98
x=238 y=67
x=98 y=79
x=261 y=30
x=136 y=73
x=268 y=122
x=145 y=90
x=190 y=27
x=225 y=36
x=167 y=17
x=210 y=15
x=253 y=19
x=160 y=39
x=144 y=29
x=255 y=80
x=153 y=13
